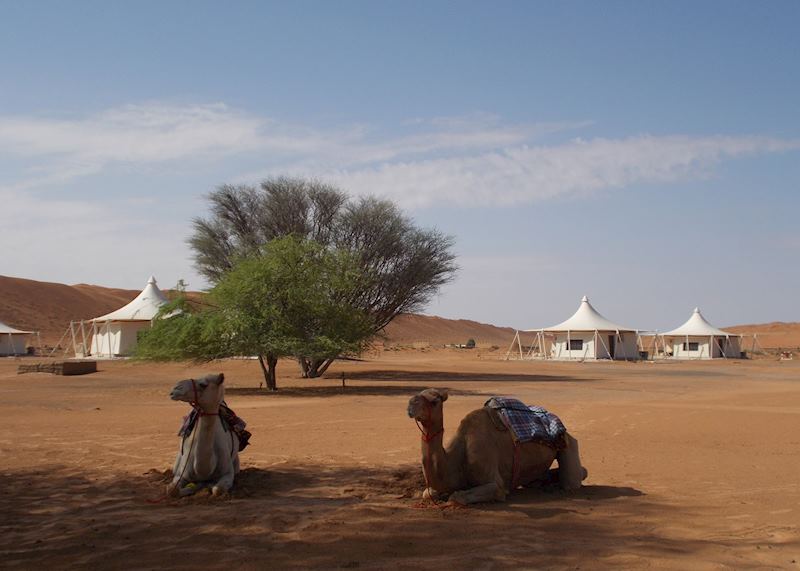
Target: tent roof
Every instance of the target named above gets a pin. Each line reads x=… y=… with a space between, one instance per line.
x=143 y=308
x=697 y=325
x=586 y=318
x=5 y=330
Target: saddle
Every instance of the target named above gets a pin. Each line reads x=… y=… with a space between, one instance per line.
x=230 y=422
x=527 y=423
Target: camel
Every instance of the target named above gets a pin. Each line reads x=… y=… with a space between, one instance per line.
x=479 y=463
x=210 y=454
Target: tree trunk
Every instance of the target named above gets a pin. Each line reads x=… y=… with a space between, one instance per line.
x=311 y=368
x=323 y=366
x=269 y=370
x=304 y=366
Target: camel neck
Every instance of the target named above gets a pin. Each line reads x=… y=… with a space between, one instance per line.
x=204 y=460
x=435 y=461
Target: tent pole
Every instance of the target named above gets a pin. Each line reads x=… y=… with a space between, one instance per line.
x=603 y=343
x=83 y=336
x=72 y=331
x=569 y=346
x=510 y=347
x=59 y=343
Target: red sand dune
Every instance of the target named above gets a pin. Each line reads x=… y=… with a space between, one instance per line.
x=49 y=307
x=777 y=334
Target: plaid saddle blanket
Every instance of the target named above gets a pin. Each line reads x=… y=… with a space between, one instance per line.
x=529 y=423
x=230 y=421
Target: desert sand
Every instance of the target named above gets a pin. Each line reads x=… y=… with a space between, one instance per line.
x=691 y=466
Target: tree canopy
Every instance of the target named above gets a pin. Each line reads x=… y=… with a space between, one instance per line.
x=291 y=298
x=400 y=266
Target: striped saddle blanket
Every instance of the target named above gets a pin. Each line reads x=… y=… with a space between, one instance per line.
x=529 y=423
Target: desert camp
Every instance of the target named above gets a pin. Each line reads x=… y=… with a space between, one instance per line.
x=370 y=285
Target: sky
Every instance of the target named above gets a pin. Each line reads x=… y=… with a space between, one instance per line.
x=646 y=154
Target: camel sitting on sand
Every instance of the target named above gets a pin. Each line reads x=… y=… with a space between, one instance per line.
x=482 y=462
x=210 y=454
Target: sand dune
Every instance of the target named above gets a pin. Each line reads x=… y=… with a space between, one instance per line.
x=49 y=307
x=774 y=335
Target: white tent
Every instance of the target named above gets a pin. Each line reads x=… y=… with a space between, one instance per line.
x=698 y=339
x=114 y=334
x=12 y=341
x=588 y=335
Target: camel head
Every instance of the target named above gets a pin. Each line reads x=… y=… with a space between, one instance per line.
x=206 y=392
x=426 y=407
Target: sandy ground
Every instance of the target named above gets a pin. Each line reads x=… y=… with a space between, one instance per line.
x=692 y=466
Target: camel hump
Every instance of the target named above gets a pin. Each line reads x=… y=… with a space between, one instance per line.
x=529 y=423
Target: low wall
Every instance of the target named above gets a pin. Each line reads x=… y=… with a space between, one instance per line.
x=60 y=368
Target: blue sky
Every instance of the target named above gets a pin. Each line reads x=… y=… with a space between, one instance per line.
x=646 y=154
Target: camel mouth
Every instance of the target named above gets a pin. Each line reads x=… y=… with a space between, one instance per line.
x=412 y=413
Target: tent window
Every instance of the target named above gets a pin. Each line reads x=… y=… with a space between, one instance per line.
x=576 y=344
x=693 y=346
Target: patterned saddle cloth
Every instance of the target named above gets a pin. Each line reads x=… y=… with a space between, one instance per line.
x=230 y=421
x=530 y=423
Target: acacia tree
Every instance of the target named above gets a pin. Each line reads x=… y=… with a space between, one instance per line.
x=291 y=298
x=400 y=266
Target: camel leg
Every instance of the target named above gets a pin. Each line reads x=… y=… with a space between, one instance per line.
x=174 y=487
x=225 y=483
x=570 y=471
x=484 y=493
x=431 y=494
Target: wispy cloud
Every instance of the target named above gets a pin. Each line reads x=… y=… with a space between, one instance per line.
x=524 y=174
x=476 y=160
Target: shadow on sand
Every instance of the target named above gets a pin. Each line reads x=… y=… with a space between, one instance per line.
x=434 y=377
x=329 y=391
x=321 y=516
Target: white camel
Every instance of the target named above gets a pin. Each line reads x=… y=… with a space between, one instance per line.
x=209 y=456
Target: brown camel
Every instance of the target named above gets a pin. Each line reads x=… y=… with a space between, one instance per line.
x=209 y=456
x=479 y=463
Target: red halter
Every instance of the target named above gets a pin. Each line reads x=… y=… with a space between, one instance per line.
x=425 y=436
x=196 y=405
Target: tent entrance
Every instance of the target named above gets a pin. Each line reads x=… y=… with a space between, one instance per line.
x=612 y=346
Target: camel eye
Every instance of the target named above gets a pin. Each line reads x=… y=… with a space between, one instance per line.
x=203 y=384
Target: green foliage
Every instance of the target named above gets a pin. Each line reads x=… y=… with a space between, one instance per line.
x=292 y=299
x=180 y=333
x=470 y=344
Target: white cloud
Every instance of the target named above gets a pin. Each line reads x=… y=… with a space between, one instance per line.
x=475 y=160
x=523 y=174
x=133 y=133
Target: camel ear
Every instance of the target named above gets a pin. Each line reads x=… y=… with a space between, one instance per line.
x=443 y=394
x=221 y=378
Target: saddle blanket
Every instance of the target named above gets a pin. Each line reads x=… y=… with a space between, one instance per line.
x=530 y=423
x=229 y=419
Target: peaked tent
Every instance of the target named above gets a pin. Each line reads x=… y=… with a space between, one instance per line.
x=114 y=334
x=589 y=335
x=12 y=341
x=698 y=339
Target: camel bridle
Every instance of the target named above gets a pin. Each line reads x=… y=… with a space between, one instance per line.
x=426 y=436
x=196 y=402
